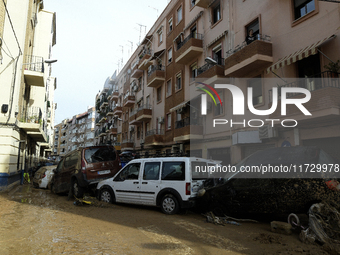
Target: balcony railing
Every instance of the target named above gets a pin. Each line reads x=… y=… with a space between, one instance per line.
x=259 y=37
x=312 y=83
x=155 y=68
x=202 y=69
x=192 y=35
x=32 y=114
x=187 y=122
x=34 y=63
x=154 y=132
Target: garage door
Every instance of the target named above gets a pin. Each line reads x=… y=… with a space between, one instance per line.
x=329 y=145
x=250 y=149
x=222 y=154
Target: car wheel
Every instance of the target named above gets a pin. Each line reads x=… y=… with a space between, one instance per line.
x=106 y=196
x=169 y=204
x=77 y=190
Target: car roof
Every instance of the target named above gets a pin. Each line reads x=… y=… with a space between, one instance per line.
x=174 y=159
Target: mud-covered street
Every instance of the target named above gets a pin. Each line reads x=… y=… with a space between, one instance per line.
x=35 y=221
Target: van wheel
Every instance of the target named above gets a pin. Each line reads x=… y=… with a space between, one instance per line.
x=169 y=204
x=77 y=190
x=106 y=196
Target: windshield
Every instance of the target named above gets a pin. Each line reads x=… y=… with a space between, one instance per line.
x=100 y=154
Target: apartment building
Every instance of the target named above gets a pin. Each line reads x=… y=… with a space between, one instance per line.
x=27 y=35
x=154 y=104
x=73 y=133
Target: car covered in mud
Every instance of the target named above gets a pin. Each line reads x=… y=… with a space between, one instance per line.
x=43 y=176
x=83 y=168
x=311 y=176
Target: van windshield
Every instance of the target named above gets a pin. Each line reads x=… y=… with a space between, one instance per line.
x=199 y=170
x=100 y=154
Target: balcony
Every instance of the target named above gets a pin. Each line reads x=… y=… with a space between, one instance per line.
x=104 y=102
x=127 y=145
x=245 y=59
x=129 y=101
x=154 y=137
x=323 y=105
x=118 y=110
x=144 y=59
x=32 y=123
x=144 y=113
x=34 y=71
x=112 y=130
x=114 y=96
x=188 y=129
x=156 y=76
x=202 y=3
x=132 y=118
x=136 y=72
x=190 y=48
x=211 y=73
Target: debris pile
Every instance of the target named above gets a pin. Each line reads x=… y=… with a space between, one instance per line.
x=324 y=225
x=211 y=218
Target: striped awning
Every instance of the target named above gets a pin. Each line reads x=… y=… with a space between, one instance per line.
x=217 y=38
x=298 y=55
x=179 y=106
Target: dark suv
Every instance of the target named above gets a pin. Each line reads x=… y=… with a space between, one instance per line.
x=83 y=168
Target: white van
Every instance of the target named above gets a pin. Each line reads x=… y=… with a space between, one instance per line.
x=169 y=182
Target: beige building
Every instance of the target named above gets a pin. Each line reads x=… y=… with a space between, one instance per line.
x=27 y=35
x=73 y=133
x=153 y=104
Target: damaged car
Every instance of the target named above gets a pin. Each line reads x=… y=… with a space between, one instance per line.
x=311 y=176
x=43 y=176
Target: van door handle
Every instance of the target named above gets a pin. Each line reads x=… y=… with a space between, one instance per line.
x=135 y=182
x=144 y=183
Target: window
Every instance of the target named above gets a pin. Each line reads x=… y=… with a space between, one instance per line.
x=256 y=84
x=170 y=55
x=193 y=68
x=252 y=30
x=168 y=121
x=179 y=14
x=178 y=82
x=170 y=25
x=151 y=170
x=218 y=110
x=174 y=171
x=147 y=101
x=217 y=54
x=192 y=3
x=303 y=7
x=159 y=94
x=168 y=88
x=93 y=155
x=216 y=12
x=160 y=36
x=131 y=172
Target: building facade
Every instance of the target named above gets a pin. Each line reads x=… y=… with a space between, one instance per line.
x=152 y=105
x=27 y=35
x=73 y=133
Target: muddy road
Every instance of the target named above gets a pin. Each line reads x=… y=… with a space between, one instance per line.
x=35 y=221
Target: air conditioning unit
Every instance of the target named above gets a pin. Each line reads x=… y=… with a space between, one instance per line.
x=131 y=128
x=161 y=120
x=267 y=131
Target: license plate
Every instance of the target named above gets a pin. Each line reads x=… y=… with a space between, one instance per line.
x=104 y=172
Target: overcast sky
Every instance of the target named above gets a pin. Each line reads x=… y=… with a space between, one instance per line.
x=89 y=36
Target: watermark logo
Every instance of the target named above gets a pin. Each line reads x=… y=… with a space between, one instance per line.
x=204 y=97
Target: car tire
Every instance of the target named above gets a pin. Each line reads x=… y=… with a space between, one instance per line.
x=169 y=204
x=106 y=195
x=78 y=191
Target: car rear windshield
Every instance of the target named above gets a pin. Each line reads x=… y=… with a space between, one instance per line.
x=98 y=154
